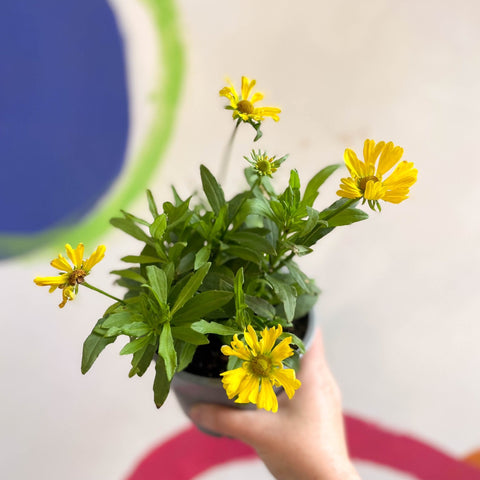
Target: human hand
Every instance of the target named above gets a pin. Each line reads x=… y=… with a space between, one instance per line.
x=305 y=439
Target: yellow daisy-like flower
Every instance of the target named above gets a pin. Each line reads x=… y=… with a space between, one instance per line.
x=243 y=105
x=262 y=369
x=71 y=275
x=367 y=178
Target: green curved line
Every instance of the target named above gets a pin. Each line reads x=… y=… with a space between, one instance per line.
x=166 y=96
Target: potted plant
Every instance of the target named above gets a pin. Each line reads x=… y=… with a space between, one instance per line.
x=214 y=290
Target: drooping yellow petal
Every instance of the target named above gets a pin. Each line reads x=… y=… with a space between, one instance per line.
x=56 y=281
x=286 y=378
x=267 y=398
x=67 y=294
x=282 y=351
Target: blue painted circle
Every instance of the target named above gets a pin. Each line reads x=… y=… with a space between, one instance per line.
x=63 y=110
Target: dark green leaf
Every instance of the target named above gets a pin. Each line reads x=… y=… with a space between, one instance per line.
x=190 y=288
x=141 y=360
x=135 y=219
x=260 y=306
x=248 y=254
x=201 y=304
x=141 y=259
x=186 y=353
x=286 y=293
x=212 y=189
x=130 y=274
x=347 y=217
x=129 y=227
x=189 y=335
x=93 y=346
x=252 y=241
x=161 y=383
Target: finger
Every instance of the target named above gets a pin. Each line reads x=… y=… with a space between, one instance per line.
x=244 y=425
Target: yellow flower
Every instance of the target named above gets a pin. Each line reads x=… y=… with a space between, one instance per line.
x=71 y=275
x=367 y=178
x=262 y=368
x=243 y=105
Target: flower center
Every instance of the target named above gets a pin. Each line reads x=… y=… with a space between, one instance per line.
x=362 y=184
x=264 y=166
x=77 y=276
x=260 y=366
x=245 y=106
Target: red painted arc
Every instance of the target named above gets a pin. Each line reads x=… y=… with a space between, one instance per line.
x=191 y=453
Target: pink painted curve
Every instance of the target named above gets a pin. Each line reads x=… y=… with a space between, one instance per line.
x=370 y=442
x=189 y=454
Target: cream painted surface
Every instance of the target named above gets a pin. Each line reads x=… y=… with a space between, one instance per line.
x=399 y=309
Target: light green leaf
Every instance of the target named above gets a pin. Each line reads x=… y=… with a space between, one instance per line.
x=187 y=334
x=202 y=256
x=311 y=192
x=158 y=226
x=135 y=345
x=141 y=259
x=202 y=326
x=166 y=350
x=158 y=283
x=151 y=204
x=131 y=228
x=347 y=217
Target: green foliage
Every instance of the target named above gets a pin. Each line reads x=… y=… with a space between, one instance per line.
x=212 y=268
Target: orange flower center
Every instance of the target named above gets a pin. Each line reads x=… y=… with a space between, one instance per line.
x=362 y=183
x=260 y=366
x=245 y=106
x=77 y=276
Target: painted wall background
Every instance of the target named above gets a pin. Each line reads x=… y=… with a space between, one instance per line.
x=101 y=100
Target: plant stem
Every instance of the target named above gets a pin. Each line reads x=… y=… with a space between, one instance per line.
x=91 y=287
x=227 y=154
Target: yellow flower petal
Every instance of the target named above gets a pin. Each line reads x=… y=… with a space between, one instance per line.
x=286 y=378
x=94 y=258
x=267 y=398
x=61 y=263
x=56 y=281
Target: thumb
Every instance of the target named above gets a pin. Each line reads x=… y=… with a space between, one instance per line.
x=244 y=425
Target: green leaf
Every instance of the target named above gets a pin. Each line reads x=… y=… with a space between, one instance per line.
x=201 y=304
x=136 y=329
x=158 y=226
x=161 y=383
x=151 y=204
x=260 y=306
x=93 y=346
x=135 y=219
x=347 y=217
x=166 y=350
x=294 y=180
x=158 y=283
x=202 y=326
x=202 y=256
x=131 y=229
x=252 y=241
x=141 y=360
x=212 y=189
x=286 y=293
x=187 y=334
x=190 y=288
x=141 y=259
x=245 y=253
x=238 y=289
x=135 y=345
x=130 y=274
x=311 y=192
x=187 y=351
x=118 y=319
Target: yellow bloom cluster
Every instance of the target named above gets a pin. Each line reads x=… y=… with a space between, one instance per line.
x=71 y=275
x=262 y=369
x=367 y=178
